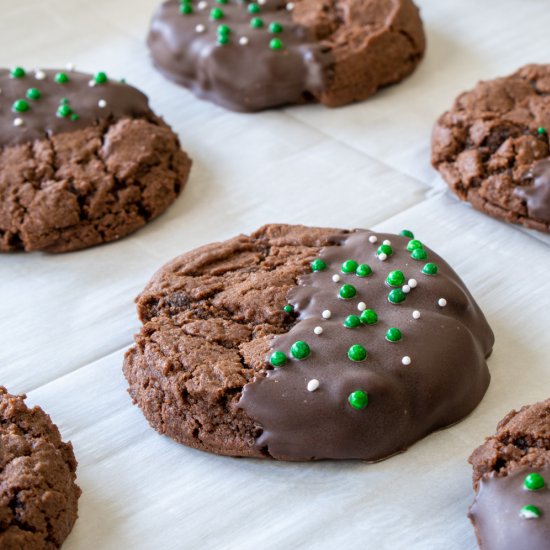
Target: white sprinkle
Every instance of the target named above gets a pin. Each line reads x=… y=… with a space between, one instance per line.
x=243 y=40
x=416 y=314
x=373 y=239
x=361 y=306
x=406 y=289
x=442 y=302
x=528 y=514
x=39 y=75
x=312 y=385
x=202 y=5
x=18 y=121
x=290 y=6
x=386 y=242
x=382 y=257
x=71 y=66
x=336 y=278
x=412 y=283
x=406 y=360
x=102 y=104
x=318 y=330
x=200 y=28
x=261 y=2
x=327 y=314
x=92 y=83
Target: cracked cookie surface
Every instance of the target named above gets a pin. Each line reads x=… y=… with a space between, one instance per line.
x=38 y=494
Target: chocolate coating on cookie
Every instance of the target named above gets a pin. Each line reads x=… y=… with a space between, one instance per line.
x=38 y=494
x=213 y=318
x=511 y=510
x=433 y=375
x=247 y=56
x=86 y=103
x=490 y=147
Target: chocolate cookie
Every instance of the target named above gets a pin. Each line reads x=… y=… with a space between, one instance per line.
x=83 y=160
x=251 y=56
x=38 y=494
x=492 y=147
x=302 y=343
x=512 y=478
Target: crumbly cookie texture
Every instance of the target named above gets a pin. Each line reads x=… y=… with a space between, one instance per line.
x=250 y=56
x=246 y=344
x=38 y=494
x=491 y=147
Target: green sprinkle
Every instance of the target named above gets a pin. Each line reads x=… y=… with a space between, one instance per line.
x=63 y=101
x=363 y=270
x=288 y=308
x=349 y=266
x=34 y=93
x=276 y=44
x=369 y=317
x=275 y=28
x=64 y=111
x=396 y=296
x=357 y=353
x=385 y=249
x=222 y=1
x=393 y=334
x=18 y=72
x=395 y=278
x=253 y=8
x=414 y=244
x=256 y=23
x=430 y=269
x=407 y=233
x=300 y=350
x=223 y=39
x=278 y=359
x=541 y=131
x=224 y=30
x=216 y=13
x=534 y=482
x=61 y=78
x=419 y=254
x=74 y=116
x=186 y=9
x=358 y=399
x=20 y=106
x=318 y=265
x=100 y=78
x=530 y=512
x=352 y=321
x=347 y=292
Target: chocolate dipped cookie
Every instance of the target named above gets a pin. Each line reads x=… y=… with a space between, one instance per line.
x=83 y=160
x=249 y=56
x=512 y=482
x=492 y=147
x=301 y=343
x=38 y=493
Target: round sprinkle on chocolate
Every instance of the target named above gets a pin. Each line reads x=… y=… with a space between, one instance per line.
x=358 y=399
x=223 y=30
x=276 y=44
x=39 y=75
x=363 y=270
x=275 y=28
x=530 y=512
x=102 y=104
x=186 y=9
x=406 y=289
x=290 y=6
x=64 y=111
x=318 y=330
x=395 y=278
x=406 y=360
x=369 y=317
x=200 y=28
x=347 y=292
x=385 y=249
x=253 y=8
x=407 y=233
x=361 y=306
x=382 y=257
x=373 y=239
x=327 y=314
x=223 y=39
x=430 y=269
x=61 y=78
x=352 y=321
x=534 y=482
x=278 y=359
x=243 y=40
x=414 y=244
x=416 y=314
x=289 y=308
x=256 y=23
x=541 y=131
x=300 y=350
x=202 y=5
x=18 y=72
x=216 y=14
x=396 y=296
x=318 y=265
x=441 y=302
x=313 y=385
x=20 y=106
x=419 y=254
x=349 y=266
x=18 y=121
x=413 y=283
x=357 y=353
x=100 y=78
x=34 y=94
x=387 y=242
x=393 y=335
x=336 y=278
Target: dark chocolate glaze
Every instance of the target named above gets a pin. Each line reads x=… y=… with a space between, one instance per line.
x=247 y=77
x=495 y=513
x=537 y=196
x=41 y=119
x=445 y=381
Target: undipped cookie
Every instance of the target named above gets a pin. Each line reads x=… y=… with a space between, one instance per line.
x=302 y=343
x=512 y=481
x=83 y=160
x=38 y=493
x=249 y=56
x=492 y=147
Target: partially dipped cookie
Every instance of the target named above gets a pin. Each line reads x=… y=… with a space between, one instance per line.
x=83 y=160
x=493 y=150
x=250 y=56
x=38 y=493
x=511 y=477
x=301 y=343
